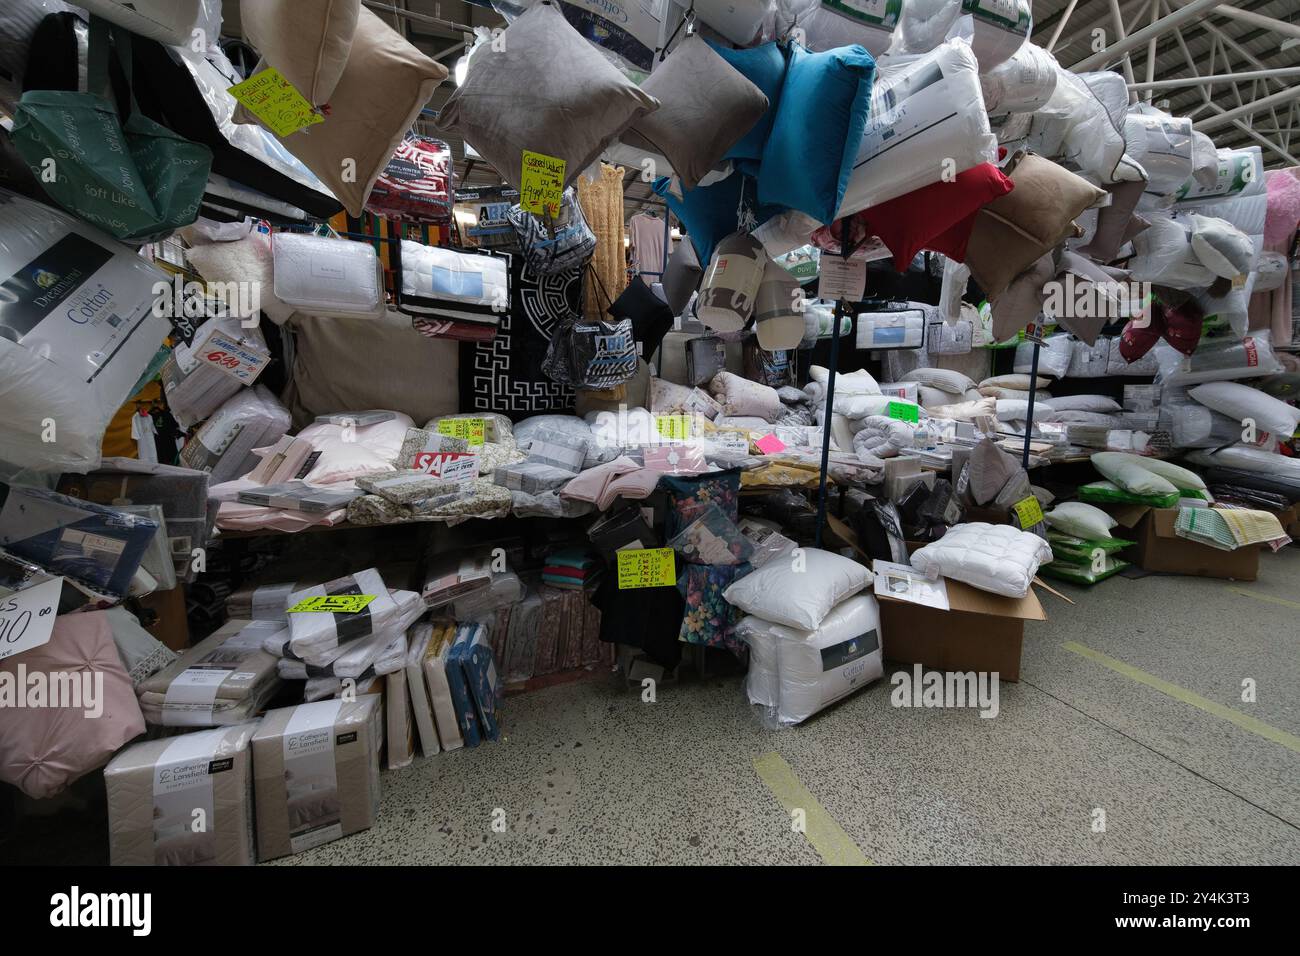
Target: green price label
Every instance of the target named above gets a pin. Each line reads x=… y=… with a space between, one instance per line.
x=333 y=604
x=472 y=430
x=903 y=411
x=274 y=101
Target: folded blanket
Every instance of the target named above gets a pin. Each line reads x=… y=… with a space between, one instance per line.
x=314 y=635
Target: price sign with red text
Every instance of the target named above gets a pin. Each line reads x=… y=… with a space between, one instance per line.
x=242 y=362
x=448 y=465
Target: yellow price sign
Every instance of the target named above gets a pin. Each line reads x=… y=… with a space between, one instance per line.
x=674 y=426
x=542 y=183
x=332 y=604
x=473 y=430
x=646 y=568
x=1029 y=511
x=274 y=101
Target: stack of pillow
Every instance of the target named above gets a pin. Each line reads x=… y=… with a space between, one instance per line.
x=1133 y=479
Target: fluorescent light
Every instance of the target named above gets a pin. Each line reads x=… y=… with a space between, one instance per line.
x=460 y=70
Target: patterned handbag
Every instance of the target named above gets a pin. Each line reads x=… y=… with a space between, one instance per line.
x=567 y=244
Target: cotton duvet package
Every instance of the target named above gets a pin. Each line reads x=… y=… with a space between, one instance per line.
x=155 y=786
x=77 y=329
x=922 y=109
x=225 y=679
x=315 y=635
x=316 y=772
x=814 y=669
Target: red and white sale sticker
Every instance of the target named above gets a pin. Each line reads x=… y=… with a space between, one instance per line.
x=448 y=465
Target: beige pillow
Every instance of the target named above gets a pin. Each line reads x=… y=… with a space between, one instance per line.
x=545 y=90
x=351 y=364
x=1015 y=230
x=965 y=411
x=386 y=83
x=308 y=41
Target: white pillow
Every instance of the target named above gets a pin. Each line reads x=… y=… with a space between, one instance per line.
x=1177 y=475
x=346 y=454
x=1085 y=403
x=1013 y=410
x=1081 y=520
x=798 y=589
x=860 y=382
x=762 y=681
x=944 y=378
x=991 y=557
x=1245 y=458
x=1223 y=248
x=1240 y=402
x=965 y=411
x=816 y=668
x=1072 y=417
x=1019 y=382
x=1130 y=473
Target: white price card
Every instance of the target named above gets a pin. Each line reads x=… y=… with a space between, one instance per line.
x=27 y=617
x=842 y=279
x=242 y=362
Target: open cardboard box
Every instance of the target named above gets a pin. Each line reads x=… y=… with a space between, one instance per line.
x=1160 y=549
x=981 y=631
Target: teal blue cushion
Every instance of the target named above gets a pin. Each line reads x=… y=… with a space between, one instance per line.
x=711 y=213
x=764 y=66
x=817 y=130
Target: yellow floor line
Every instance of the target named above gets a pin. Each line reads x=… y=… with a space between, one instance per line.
x=826 y=836
x=1266 y=597
x=1244 y=721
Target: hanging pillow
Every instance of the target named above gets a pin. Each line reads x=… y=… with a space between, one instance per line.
x=308 y=41
x=1000 y=29
x=764 y=66
x=731 y=283
x=1014 y=231
x=825 y=99
x=918 y=119
x=385 y=84
x=778 y=316
x=546 y=90
x=706 y=106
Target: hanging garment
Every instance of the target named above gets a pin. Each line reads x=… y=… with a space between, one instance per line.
x=647 y=234
x=602 y=205
x=144 y=431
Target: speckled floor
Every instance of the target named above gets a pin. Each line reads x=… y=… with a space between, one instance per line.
x=587 y=773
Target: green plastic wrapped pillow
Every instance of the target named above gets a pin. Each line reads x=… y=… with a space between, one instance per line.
x=1109 y=493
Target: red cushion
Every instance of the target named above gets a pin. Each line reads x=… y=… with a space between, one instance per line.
x=1183 y=326
x=938 y=217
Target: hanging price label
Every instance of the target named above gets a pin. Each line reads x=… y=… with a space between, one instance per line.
x=241 y=362
x=332 y=604
x=646 y=568
x=27 y=617
x=673 y=426
x=1028 y=511
x=542 y=183
x=842 y=279
x=274 y=101
x=903 y=411
x=472 y=430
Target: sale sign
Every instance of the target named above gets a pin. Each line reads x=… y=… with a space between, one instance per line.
x=448 y=465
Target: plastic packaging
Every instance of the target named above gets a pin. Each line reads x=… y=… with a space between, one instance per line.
x=826 y=24
x=1108 y=493
x=1085 y=574
x=1162 y=144
x=1023 y=83
x=1218 y=360
x=712 y=538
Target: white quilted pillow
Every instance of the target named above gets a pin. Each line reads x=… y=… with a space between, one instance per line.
x=798 y=589
x=991 y=557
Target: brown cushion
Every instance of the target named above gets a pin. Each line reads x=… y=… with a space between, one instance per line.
x=706 y=106
x=1016 y=229
x=545 y=89
x=1113 y=221
x=386 y=83
x=308 y=41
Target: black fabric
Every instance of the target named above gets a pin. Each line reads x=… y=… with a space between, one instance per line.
x=505 y=374
x=651 y=318
x=57 y=58
x=648 y=618
x=168 y=95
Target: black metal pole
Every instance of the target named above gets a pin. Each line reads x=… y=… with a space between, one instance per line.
x=1029 y=414
x=841 y=309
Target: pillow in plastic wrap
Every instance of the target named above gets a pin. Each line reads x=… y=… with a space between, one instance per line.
x=77 y=329
x=1054 y=356
x=346 y=453
x=223 y=446
x=1241 y=402
x=740 y=396
x=914 y=119
x=1217 y=360
x=1131 y=474
x=1089 y=361
x=1246 y=458
x=450 y=284
x=1083 y=125
x=825 y=25
x=816 y=668
x=331 y=277
x=1013 y=410
x=1162 y=144
x=1023 y=83
x=996 y=558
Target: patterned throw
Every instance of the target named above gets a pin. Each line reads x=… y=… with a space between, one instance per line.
x=1227 y=529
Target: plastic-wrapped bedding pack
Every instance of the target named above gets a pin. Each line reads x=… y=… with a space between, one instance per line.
x=154 y=787
x=1218 y=360
x=1022 y=84
x=882 y=436
x=814 y=669
x=1246 y=458
x=1239 y=173
x=1163 y=254
x=1242 y=403
x=93 y=544
x=330 y=277
x=471 y=289
x=1083 y=124
x=893 y=328
x=224 y=445
x=1001 y=27
x=922 y=109
x=195 y=389
x=76 y=330
x=43 y=749
x=1162 y=145
x=826 y=24
x=224 y=679
x=1054 y=356
x=316 y=635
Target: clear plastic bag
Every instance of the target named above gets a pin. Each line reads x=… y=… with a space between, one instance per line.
x=712 y=538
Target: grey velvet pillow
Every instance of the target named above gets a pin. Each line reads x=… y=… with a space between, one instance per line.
x=545 y=90
x=706 y=106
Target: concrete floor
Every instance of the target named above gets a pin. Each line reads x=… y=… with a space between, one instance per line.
x=587 y=773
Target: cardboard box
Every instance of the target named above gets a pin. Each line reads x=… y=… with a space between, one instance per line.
x=980 y=632
x=1160 y=549
x=164 y=617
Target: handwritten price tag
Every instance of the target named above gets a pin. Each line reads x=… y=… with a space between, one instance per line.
x=903 y=412
x=274 y=101
x=241 y=362
x=333 y=604
x=542 y=183
x=27 y=617
x=646 y=568
x=674 y=426
x=473 y=430
x=1029 y=511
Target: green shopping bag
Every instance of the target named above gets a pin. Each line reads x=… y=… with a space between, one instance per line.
x=135 y=180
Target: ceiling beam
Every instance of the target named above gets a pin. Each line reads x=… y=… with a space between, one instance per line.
x=1099 y=61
